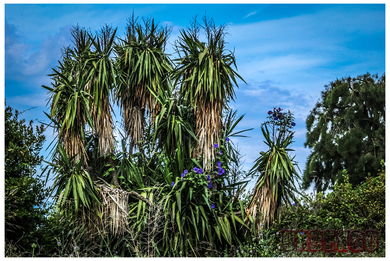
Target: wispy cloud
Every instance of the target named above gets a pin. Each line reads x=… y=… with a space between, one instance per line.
x=27 y=101
x=250 y=14
x=23 y=60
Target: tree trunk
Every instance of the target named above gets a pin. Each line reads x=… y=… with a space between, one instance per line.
x=113 y=173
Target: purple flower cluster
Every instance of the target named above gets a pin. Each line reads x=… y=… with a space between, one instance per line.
x=209 y=186
x=220 y=169
x=198 y=170
x=213 y=206
x=184 y=173
x=276 y=114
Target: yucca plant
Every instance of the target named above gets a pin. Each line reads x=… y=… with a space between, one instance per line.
x=70 y=110
x=197 y=211
x=222 y=226
x=229 y=155
x=275 y=184
x=174 y=130
x=101 y=78
x=205 y=75
x=195 y=214
x=101 y=75
x=141 y=63
x=72 y=182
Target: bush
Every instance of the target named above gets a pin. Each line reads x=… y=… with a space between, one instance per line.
x=24 y=191
x=345 y=208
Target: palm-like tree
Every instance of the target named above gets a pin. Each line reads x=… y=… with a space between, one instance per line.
x=206 y=76
x=277 y=175
x=101 y=79
x=70 y=102
x=141 y=63
x=81 y=91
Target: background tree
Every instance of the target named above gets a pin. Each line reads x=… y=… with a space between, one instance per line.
x=24 y=190
x=346 y=130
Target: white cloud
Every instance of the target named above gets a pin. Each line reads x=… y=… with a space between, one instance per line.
x=24 y=60
x=250 y=14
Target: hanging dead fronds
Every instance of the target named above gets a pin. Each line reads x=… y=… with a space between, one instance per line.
x=113 y=210
x=141 y=64
x=208 y=126
x=262 y=208
x=103 y=127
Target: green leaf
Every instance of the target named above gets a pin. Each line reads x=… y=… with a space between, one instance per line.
x=190 y=194
x=178 y=221
x=178 y=197
x=242 y=222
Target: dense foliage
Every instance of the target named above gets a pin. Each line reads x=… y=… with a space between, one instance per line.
x=170 y=184
x=346 y=130
x=25 y=192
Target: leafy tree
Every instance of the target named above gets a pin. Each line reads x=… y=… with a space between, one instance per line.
x=361 y=208
x=22 y=145
x=24 y=191
x=346 y=130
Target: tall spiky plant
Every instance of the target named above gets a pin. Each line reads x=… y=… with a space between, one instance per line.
x=68 y=99
x=275 y=184
x=206 y=76
x=101 y=79
x=141 y=63
x=173 y=129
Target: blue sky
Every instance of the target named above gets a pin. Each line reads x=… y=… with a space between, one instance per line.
x=285 y=52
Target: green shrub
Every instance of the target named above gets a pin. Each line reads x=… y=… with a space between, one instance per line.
x=345 y=208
